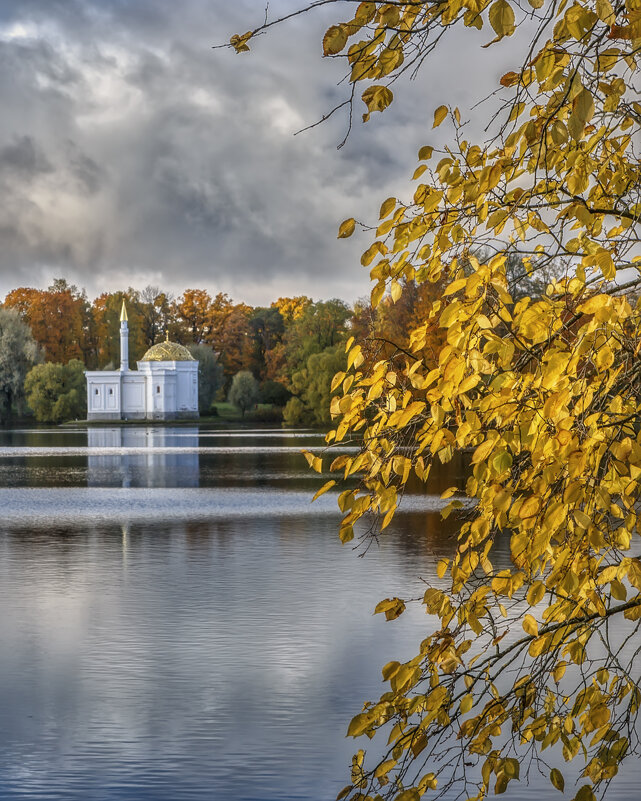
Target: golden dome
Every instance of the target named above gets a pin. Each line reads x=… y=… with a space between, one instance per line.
x=167 y=352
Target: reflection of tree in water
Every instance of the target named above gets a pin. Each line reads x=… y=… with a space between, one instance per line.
x=257 y=468
x=198 y=536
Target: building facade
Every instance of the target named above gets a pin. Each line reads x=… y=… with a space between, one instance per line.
x=164 y=387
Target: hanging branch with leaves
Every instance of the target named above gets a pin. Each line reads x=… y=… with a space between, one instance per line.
x=543 y=391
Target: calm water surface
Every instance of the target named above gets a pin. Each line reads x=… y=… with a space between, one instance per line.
x=178 y=622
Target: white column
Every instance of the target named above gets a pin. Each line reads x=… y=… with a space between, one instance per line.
x=124 y=340
x=124 y=346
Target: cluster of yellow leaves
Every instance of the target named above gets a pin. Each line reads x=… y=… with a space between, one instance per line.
x=543 y=393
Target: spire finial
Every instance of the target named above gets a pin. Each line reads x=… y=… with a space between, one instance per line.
x=123 y=313
x=166 y=335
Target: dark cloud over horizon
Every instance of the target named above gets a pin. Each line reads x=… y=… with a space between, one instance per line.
x=131 y=152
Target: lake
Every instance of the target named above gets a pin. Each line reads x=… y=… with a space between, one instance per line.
x=178 y=622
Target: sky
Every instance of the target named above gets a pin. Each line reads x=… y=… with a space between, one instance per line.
x=133 y=153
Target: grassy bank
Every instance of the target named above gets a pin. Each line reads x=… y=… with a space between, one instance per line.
x=222 y=414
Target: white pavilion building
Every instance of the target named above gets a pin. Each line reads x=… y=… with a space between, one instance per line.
x=164 y=387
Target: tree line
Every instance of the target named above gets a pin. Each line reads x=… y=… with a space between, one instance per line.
x=285 y=354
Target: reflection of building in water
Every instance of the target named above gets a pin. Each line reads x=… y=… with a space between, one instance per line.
x=150 y=457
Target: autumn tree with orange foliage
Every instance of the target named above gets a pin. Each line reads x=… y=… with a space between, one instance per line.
x=192 y=312
x=58 y=318
x=236 y=344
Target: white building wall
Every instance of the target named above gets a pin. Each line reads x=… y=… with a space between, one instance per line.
x=103 y=395
x=187 y=387
x=134 y=400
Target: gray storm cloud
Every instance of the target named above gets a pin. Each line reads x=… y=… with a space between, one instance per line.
x=131 y=152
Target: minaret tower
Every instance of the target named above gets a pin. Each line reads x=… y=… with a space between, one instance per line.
x=124 y=339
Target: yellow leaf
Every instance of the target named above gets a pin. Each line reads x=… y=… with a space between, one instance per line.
x=377 y=293
x=324 y=489
x=593 y=305
x=334 y=40
x=605 y=12
x=556 y=777
x=530 y=507
x=358 y=725
x=441 y=567
x=408 y=795
x=346 y=228
x=377 y=97
x=483 y=451
x=387 y=207
x=509 y=79
x=391 y=607
x=239 y=43
x=346 y=533
x=559 y=132
x=390 y=669
x=315 y=462
x=604 y=358
x=586 y=793
x=425 y=152
x=582 y=112
x=538 y=646
x=536 y=593
x=530 y=626
x=467 y=702
x=384 y=768
x=432 y=202
x=502 y=18
x=419 y=743
x=439 y=115
x=365 y=13
x=581 y=518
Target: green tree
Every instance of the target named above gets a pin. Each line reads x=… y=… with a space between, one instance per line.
x=296 y=414
x=210 y=375
x=312 y=386
x=18 y=353
x=57 y=392
x=545 y=393
x=321 y=325
x=274 y=392
x=244 y=392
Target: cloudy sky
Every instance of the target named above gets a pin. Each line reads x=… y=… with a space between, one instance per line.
x=132 y=153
